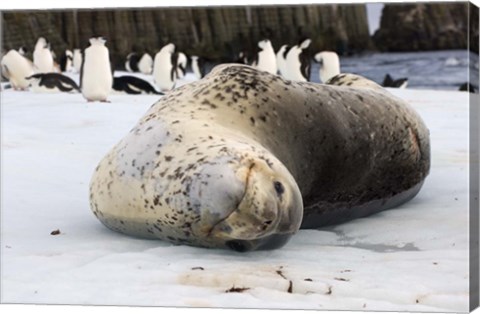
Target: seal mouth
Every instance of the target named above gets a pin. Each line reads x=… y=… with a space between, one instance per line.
x=223 y=220
x=270 y=242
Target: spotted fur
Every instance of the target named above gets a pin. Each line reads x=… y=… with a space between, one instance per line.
x=238 y=158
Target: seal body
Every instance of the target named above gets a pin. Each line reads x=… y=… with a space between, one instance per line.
x=96 y=77
x=329 y=64
x=242 y=158
x=16 y=68
x=164 y=68
x=52 y=83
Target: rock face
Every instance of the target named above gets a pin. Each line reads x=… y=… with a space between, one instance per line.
x=217 y=32
x=473 y=30
x=424 y=26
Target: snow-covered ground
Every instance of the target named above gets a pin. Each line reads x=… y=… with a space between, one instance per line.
x=411 y=258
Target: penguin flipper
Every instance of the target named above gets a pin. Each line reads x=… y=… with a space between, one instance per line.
x=69 y=84
x=129 y=90
x=5 y=72
x=81 y=68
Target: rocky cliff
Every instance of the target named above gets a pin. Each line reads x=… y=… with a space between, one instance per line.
x=424 y=26
x=217 y=32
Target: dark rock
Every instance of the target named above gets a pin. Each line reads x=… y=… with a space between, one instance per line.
x=207 y=31
x=424 y=26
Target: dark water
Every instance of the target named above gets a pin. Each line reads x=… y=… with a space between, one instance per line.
x=445 y=70
x=434 y=70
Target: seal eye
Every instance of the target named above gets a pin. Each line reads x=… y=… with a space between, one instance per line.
x=278 y=187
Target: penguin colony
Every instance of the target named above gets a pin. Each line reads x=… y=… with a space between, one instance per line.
x=164 y=68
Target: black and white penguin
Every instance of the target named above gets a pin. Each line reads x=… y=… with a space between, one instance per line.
x=281 y=60
x=96 y=77
x=52 y=83
x=467 y=87
x=388 y=81
x=266 y=59
x=298 y=62
x=181 y=65
x=198 y=66
x=242 y=58
x=131 y=65
x=329 y=65
x=145 y=65
x=77 y=60
x=23 y=50
x=164 y=68
x=42 y=57
x=133 y=85
x=66 y=61
x=16 y=68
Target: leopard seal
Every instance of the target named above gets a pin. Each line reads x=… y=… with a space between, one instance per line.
x=243 y=158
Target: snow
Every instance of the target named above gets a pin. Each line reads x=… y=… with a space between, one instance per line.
x=413 y=258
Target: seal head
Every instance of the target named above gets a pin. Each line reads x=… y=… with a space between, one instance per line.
x=223 y=192
x=269 y=212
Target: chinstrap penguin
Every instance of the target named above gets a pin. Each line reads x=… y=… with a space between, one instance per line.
x=16 y=68
x=77 y=60
x=329 y=65
x=96 y=77
x=388 y=81
x=131 y=65
x=266 y=59
x=281 y=60
x=298 y=62
x=66 y=61
x=52 y=82
x=145 y=65
x=133 y=85
x=198 y=66
x=164 y=68
x=181 y=65
x=42 y=57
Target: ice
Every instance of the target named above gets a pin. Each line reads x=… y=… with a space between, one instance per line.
x=411 y=258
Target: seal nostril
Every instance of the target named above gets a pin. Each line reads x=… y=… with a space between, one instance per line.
x=239 y=246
